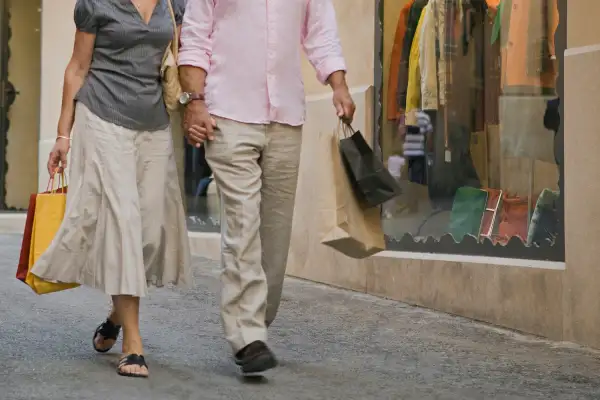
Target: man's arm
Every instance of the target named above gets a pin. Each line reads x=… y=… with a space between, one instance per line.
x=196 y=44
x=324 y=51
x=194 y=63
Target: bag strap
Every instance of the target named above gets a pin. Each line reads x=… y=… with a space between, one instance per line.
x=175 y=41
x=62 y=181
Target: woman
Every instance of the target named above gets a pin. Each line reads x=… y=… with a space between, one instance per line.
x=124 y=225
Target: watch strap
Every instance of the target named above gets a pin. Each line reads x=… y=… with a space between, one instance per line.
x=197 y=96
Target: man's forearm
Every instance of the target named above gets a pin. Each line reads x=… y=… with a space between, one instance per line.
x=192 y=79
x=337 y=80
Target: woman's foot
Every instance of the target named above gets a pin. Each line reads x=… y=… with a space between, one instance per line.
x=133 y=365
x=106 y=336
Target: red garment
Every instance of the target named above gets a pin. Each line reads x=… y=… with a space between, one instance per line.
x=394 y=111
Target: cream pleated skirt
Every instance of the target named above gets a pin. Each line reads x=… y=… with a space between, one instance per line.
x=124 y=227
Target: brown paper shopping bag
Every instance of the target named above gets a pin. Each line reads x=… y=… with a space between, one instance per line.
x=344 y=225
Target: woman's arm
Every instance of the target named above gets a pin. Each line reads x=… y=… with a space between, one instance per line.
x=75 y=74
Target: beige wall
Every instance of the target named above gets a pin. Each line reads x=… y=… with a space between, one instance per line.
x=24 y=72
x=355 y=24
x=58 y=32
x=581 y=293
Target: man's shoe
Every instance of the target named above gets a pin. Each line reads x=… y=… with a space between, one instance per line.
x=255 y=358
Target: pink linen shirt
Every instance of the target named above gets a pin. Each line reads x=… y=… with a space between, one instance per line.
x=251 y=51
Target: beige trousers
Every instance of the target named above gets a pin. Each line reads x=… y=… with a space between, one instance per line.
x=256 y=170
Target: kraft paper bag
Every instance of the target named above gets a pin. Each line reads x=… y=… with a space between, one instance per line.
x=344 y=224
x=47 y=218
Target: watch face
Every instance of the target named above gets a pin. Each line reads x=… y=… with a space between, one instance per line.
x=184 y=98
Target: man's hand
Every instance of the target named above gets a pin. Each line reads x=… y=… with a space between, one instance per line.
x=198 y=125
x=342 y=100
x=343 y=103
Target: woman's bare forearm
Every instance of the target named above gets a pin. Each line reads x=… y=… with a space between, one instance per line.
x=73 y=81
x=75 y=75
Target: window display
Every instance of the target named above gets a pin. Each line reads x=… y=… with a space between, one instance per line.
x=471 y=121
x=200 y=193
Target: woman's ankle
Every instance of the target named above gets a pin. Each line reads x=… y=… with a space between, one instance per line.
x=132 y=342
x=114 y=318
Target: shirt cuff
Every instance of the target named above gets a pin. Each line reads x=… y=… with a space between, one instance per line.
x=193 y=60
x=328 y=67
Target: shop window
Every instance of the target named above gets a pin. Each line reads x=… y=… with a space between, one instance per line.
x=200 y=192
x=469 y=123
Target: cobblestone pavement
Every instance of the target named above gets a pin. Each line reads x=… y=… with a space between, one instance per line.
x=332 y=344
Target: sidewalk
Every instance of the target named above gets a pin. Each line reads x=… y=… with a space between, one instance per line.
x=332 y=345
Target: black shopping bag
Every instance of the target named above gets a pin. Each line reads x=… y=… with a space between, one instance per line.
x=371 y=181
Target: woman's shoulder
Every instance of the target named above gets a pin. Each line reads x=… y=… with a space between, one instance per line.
x=87 y=5
x=88 y=14
x=97 y=7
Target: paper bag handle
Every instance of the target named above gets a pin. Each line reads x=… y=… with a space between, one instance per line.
x=344 y=129
x=62 y=181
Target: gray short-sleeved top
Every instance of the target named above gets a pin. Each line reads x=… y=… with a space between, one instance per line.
x=123 y=84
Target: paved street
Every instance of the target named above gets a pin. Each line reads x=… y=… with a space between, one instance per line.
x=332 y=344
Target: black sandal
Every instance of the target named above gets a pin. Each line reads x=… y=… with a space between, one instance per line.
x=132 y=359
x=109 y=331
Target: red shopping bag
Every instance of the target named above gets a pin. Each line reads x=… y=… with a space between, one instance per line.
x=23 y=266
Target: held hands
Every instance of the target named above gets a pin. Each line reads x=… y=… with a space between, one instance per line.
x=57 y=160
x=198 y=125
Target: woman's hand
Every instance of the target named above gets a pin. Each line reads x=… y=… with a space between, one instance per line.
x=198 y=124
x=57 y=161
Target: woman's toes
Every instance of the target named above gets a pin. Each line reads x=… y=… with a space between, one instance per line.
x=133 y=365
x=135 y=370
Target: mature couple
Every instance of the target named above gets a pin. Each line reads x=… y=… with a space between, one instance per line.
x=124 y=227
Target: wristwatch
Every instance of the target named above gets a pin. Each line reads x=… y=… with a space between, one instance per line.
x=187 y=97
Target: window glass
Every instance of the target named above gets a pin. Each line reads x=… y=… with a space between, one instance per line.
x=471 y=120
x=200 y=192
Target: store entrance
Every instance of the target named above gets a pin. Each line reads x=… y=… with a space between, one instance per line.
x=7 y=94
x=20 y=82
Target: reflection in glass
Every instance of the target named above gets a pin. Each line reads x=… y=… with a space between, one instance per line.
x=471 y=117
x=201 y=194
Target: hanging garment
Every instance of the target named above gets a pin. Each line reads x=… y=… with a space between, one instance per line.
x=526 y=29
x=491 y=75
x=428 y=58
x=394 y=110
x=436 y=47
x=413 y=92
x=412 y=23
x=445 y=177
x=414 y=142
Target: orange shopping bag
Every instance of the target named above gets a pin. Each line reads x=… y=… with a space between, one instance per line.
x=47 y=218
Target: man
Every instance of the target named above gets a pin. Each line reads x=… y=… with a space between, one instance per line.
x=240 y=69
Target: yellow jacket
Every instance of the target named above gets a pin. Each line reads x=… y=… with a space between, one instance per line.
x=413 y=90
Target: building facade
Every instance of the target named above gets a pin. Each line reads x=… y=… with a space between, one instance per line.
x=496 y=221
